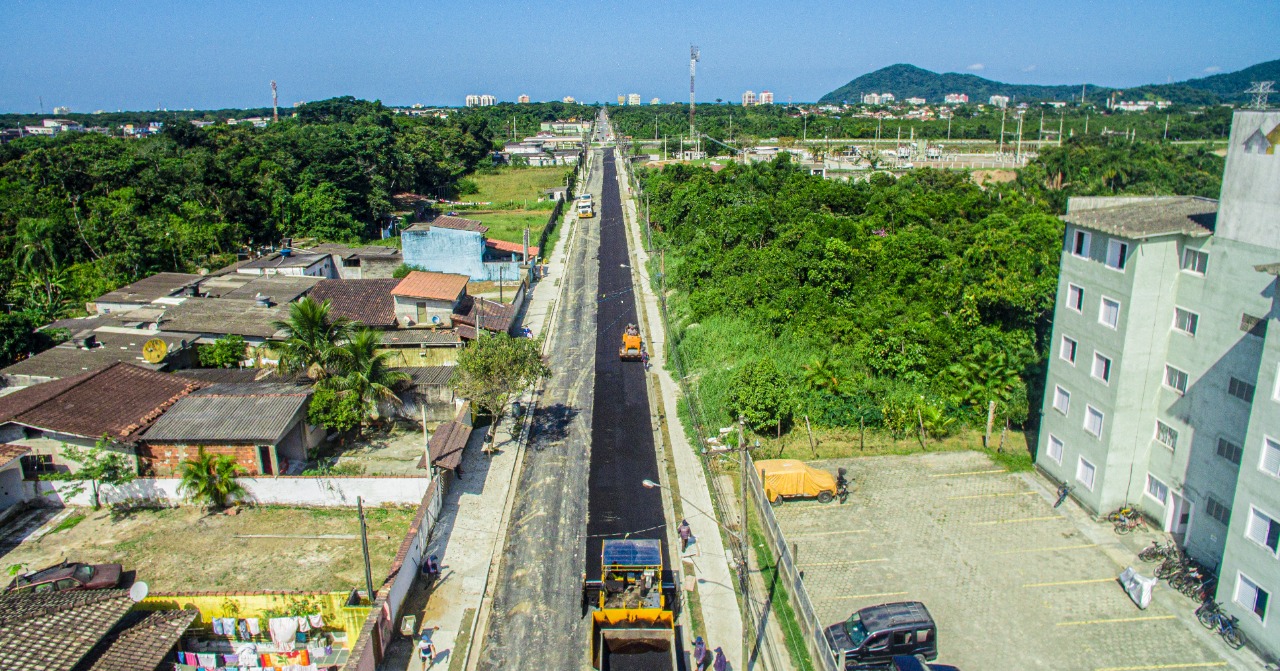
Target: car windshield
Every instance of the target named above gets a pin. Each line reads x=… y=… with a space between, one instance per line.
x=84 y=572
x=853 y=627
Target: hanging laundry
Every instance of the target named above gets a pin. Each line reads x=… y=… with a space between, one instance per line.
x=316 y=621
x=247 y=655
x=216 y=623
x=242 y=628
x=254 y=628
x=304 y=625
x=189 y=658
x=207 y=660
x=282 y=631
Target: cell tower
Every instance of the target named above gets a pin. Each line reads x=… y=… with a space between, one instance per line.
x=275 y=102
x=694 y=57
x=1259 y=91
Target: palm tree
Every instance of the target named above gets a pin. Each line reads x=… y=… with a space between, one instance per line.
x=311 y=337
x=362 y=370
x=821 y=375
x=210 y=479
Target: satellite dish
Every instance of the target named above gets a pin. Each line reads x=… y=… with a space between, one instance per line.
x=154 y=350
x=435 y=319
x=139 y=591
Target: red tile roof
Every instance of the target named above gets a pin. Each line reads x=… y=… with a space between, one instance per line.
x=366 y=301
x=119 y=400
x=494 y=316
x=458 y=224
x=436 y=286
x=10 y=452
x=512 y=247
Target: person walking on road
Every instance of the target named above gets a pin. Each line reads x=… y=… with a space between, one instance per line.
x=721 y=664
x=426 y=648
x=701 y=658
x=686 y=534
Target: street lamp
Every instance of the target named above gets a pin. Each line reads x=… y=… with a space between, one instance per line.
x=650 y=484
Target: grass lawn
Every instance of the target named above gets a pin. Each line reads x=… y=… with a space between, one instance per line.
x=509 y=225
x=517 y=184
x=843 y=443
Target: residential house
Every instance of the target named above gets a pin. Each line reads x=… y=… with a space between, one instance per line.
x=143 y=293
x=449 y=441
x=290 y=262
x=427 y=395
x=1163 y=386
x=262 y=425
x=369 y=262
x=11 y=490
x=428 y=298
x=371 y=303
x=92 y=349
x=449 y=244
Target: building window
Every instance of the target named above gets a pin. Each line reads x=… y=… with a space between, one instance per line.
x=1093 y=421
x=1185 y=321
x=1217 y=511
x=1167 y=435
x=1061 y=400
x=1175 y=379
x=1055 y=449
x=1080 y=243
x=1263 y=530
x=1084 y=473
x=1230 y=451
x=1241 y=389
x=1101 y=367
x=1068 y=350
x=1156 y=489
x=1117 y=254
x=1075 y=297
x=1270 y=463
x=1251 y=596
x=1109 y=312
x=1254 y=326
x=1195 y=261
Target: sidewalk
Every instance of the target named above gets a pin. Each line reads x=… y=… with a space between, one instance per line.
x=708 y=556
x=469 y=533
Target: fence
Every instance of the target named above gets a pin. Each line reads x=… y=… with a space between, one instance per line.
x=819 y=650
x=296 y=490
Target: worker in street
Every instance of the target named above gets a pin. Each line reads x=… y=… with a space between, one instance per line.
x=431 y=569
x=701 y=657
x=686 y=534
x=644 y=358
x=721 y=664
x=426 y=648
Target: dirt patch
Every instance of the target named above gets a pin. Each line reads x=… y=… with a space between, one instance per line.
x=182 y=549
x=981 y=177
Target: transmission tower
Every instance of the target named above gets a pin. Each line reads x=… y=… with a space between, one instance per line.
x=694 y=57
x=1259 y=91
x=275 y=102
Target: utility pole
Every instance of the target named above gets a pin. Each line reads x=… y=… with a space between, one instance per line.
x=742 y=477
x=1166 y=127
x=694 y=56
x=1002 y=113
x=275 y=102
x=364 y=543
x=1018 y=157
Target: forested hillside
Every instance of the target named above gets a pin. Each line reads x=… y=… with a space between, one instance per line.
x=82 y=213
x=889 y=303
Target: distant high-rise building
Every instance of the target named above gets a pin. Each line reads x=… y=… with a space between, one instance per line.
x=655 y=101
x=483 y=100
x=766 y=98
x=915 y=101
x=62 y=110
x=871 y=99
x=622 y=100
x=568 y=100
x=955 y=98
x=886 y=98
x=999 y=101
x=633 y=98
x=748 y=98
x=523 y=99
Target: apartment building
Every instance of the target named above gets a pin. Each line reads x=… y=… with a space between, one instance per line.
x=1163 y=389
x=749 y=98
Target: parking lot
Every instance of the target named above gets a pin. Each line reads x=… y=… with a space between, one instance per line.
x=1012 y=582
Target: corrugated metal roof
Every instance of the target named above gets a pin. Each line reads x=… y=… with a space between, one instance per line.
x=444 y=337
x=1138 y=218
x=455 y=223
x=229 y=418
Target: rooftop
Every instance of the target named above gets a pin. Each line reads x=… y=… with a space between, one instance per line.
x=10 y=452
x=142 y=640
x=67 y=359
x=448 y=442
x=420 y=376
x=47 y=631
x=367 y=301
x=221 y=316
x=148 y=289
x=1145 y=216
x=493 y=316
x=419 y=337
x=512 y=247
x=295 y=259
x=239 y=375
x=346 y=251
x=119 y=400
x=431 y=285
x=456 y=223
x=231 y=413
x=279 y=288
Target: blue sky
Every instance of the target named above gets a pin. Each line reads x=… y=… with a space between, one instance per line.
x=185 y=54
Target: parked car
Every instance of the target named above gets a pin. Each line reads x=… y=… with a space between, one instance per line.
x=792 y=478
x=67 y=576
x=901 y=663
x=877 y=634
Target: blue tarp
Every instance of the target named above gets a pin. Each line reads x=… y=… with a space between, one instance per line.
x=633 y=552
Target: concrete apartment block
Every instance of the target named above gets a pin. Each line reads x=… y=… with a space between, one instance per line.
x=1163 y=389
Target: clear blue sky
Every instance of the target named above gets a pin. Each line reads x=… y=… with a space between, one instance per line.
x=186 y=54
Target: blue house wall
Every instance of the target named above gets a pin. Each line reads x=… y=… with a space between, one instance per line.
x=445 y=250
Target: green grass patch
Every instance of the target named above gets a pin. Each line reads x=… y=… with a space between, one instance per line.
x=516 y=184
x=393 y=241
x=1016 y=458
x=786 y=616
x=509 y=225
x=69 y=523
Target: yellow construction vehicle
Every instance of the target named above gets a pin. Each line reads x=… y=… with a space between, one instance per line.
x=586 y=208
x=632 y=615
x=632 y=346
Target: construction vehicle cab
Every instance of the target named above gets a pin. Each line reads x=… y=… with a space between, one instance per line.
x=585 y=207
x=792 y=478
x=632 y=616
x=632 y=345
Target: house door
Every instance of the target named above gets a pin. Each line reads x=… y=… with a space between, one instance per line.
x=1179 y=514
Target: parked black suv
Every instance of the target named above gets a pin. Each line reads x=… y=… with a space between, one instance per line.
x=876 y=634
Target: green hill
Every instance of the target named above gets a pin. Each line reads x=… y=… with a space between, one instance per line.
x=908 y=81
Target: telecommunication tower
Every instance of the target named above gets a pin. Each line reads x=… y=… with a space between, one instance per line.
x=275 y=102
x=1259 y=91
x=694 y=56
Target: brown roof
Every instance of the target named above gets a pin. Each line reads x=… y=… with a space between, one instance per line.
x=403 y=337
x=447 y=443
x=67 y=359
x=142 y=640
x=367 y=301
x=222 y=316
x=10 y=452
x=56 y=631
x=494 y=316
x=512 y=247
x=456 y=223
x=427 y=284
x=119 y=400
x=1144 y=217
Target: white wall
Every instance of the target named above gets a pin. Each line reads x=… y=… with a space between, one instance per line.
x=290 y=490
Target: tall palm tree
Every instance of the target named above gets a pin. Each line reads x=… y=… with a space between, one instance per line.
x=210 y=479
x=312 y=335
x=362 y=370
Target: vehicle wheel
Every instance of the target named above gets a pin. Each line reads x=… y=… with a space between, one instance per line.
x=825 y=497
x=1234 y=638
x=1208 y=618
x=1122 y=528
x=776 y=501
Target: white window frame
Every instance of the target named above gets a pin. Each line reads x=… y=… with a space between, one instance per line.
x=1102 y=310
x=1269 y=444
x=1250 y=607
x=1060 y=393
x=1077 y=234
x=1172 y=431
x=1106 y=368
x=1195 y=319
x=1117 y=251
x=1161 y=487
x=1055 y=441
x=1090 y=411
x=1078 y=304
x=1255 y=511
x=1093 y=473
x=1075 y=349
x=1186 y=379
x=1187 y=251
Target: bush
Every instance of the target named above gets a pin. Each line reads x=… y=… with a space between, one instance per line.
x=762 y=395
x=334 y=409
x=225 y=352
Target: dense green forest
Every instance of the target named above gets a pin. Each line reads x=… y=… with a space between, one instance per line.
x=516 y=121
x=82 y=213
x=749 y=124
x=889 y=302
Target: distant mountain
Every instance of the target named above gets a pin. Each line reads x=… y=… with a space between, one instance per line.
x=908 y=81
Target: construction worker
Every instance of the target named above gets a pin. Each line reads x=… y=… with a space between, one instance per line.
x=721 y=663
x=644 y=358
x=686 y=534
x=701 y=658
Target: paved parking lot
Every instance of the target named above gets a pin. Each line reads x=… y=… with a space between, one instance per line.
x=1012 y=582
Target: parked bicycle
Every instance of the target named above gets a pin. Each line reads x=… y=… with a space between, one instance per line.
x=1226 y=626
x=1127 y=520
x=1158 y=552
x=1063 y=492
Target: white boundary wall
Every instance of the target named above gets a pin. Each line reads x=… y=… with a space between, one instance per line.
x=337 y=492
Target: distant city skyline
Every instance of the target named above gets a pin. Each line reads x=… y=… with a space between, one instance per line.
x=144 y=55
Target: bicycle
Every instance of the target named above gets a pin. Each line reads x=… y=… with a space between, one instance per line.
x=1157 y=552
x=1063 y=492
x=1226 y=626
x=1130 y=524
